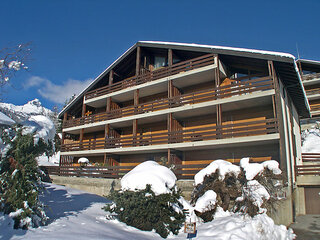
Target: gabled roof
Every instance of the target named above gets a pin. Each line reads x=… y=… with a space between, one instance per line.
x=284 y=63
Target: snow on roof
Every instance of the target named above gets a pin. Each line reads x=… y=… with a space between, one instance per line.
x=280 y=54
x=5 y=120
x=213 y=47
x=308 y=61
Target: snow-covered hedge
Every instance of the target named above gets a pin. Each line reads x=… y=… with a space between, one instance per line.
x=149 y=200
x=249 y=188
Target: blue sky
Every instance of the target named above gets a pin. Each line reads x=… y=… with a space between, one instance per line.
x=73 y=41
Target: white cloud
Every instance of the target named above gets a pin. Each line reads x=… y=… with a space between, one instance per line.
x=57 y=93
x=34 y=81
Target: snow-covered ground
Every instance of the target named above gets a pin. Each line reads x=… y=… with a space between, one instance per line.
x=311 y=141
x=49 y=161
x=75 y=214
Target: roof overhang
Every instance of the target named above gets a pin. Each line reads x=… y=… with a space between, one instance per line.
x=283 y=61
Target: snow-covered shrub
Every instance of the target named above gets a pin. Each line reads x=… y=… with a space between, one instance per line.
x=149 y=200
x=249 y=188
x=20 y=181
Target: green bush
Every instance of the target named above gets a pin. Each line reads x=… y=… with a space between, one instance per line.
x=146 y=211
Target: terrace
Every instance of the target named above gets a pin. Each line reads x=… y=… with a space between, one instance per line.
x=195 y=134
x=241 y=86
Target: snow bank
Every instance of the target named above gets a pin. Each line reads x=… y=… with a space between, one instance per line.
x=224 y=167
x=43 y=160
x=311 y=143
x=5 y=120
x=241 y=227
x=42 y=126
x=159 y=177
x=78 y=215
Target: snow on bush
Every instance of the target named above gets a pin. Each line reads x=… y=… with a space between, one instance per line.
x=148 y=200
x=224 y=167
x=161 y=179
x=206 y=202
x=246 y=189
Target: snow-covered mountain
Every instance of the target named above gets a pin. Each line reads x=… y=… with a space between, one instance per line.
x=22 y=113
x=34 y=119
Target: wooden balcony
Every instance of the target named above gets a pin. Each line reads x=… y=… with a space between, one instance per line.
x=250 y=128
x=310 y=166
x=154 y=75
x=240 y=88
x=308 y=77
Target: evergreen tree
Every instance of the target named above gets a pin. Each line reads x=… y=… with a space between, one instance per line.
x=20 y=182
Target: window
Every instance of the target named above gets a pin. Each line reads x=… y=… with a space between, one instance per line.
x=159 y=62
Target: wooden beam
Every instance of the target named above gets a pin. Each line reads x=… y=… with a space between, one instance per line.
x=170 y=89
x=136 y=97
x=279 y=116
x=170 y=58
x=108 y=107
x=138 y=57
x=218 y=107
x=81 y=134
x=111 y=73
x=84 y=107
x=65 y=117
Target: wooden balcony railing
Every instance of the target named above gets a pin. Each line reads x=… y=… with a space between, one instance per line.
x=249 y=128
x=311 y=76
x=154 y=75
x=244 y=87
x=314 y=91
x=311 y=165
x=181 y=171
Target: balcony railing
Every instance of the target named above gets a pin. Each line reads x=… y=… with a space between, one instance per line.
x=311 y=165
x=249 y=128
x=245 y=87
x=307 y=77
x=154 y=75
x=311 y=92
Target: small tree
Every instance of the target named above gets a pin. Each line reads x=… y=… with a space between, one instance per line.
x=12 y=60
x=20 y=182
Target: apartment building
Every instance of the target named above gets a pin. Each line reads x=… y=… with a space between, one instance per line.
x=188 y=104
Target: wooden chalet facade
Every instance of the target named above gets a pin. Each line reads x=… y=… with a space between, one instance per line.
x=189 y=104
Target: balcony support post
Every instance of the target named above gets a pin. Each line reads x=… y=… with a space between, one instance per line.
x=170 y=57
x=65 y=116
x=279 y=116
x=111 y=73
x=108 y=107
x=138 y=57
x=218 y=107
x=169 y=123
